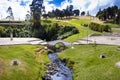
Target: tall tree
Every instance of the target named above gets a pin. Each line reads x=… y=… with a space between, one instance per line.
x=10 y=13
x=28 y=16
x=69 y=10
x=36 y=11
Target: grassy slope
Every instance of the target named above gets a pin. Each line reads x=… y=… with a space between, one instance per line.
x=78 y=23
x=88 y=65
x=83 y=31
x=29 y=68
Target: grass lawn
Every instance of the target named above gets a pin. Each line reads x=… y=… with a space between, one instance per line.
x=118 y=31
x=88 y=65
x=29 y=68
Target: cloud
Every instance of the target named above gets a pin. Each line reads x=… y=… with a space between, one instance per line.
x=20 y=7
x=86 y=5
x=93 y=5
x=49 y=7
x=18 y=10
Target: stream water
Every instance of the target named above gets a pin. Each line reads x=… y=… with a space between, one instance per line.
x=57 y=70
x=63 y=72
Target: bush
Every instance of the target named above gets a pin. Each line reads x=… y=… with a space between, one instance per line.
x=18 y=31
x=99 y=27
x=54 y=31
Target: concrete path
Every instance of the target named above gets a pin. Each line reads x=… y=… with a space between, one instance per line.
x=108 y=40
x=7 y=41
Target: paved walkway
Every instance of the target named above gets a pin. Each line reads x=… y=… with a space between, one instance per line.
x=108 y=40
x=7 y=41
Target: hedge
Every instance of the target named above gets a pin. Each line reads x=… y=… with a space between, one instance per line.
x=99 y=27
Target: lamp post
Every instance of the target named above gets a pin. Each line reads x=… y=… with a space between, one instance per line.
x=11 y=35
x=11 y=32
x=87 y=36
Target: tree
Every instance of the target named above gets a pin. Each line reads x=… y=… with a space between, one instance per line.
x=10 y=13
x=51 y=14
x=108 y=13
x=69 y=10
x=83 y=13
x=76 y=12
x=28 y=16
x=36 y=11
x=88 y=14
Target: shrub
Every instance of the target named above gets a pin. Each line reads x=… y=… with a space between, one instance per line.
x=99 y=27
x=54 y=31
x=18 y=31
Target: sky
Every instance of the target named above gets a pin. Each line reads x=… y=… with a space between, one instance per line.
x=21 y=7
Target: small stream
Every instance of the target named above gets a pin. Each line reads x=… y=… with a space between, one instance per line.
x=57 y=70
x=63 y=72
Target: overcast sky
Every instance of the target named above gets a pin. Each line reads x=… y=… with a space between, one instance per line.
x=20 y=7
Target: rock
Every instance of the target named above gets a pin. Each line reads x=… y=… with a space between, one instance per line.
x=117 y=64
x=58 y=75
x=47 y=77
x=15 y=62
x=46 y=48
x=102 y=56
x=72 y=47
x=65 y=74
x=51 y=68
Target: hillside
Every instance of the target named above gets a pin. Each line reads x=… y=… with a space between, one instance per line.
x=79 y=22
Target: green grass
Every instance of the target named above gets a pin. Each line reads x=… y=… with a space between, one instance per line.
x=116 y=30
x=78 y=23
x=88 y=65
x=113 y=25
x=83 y=31
x=29 y=67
